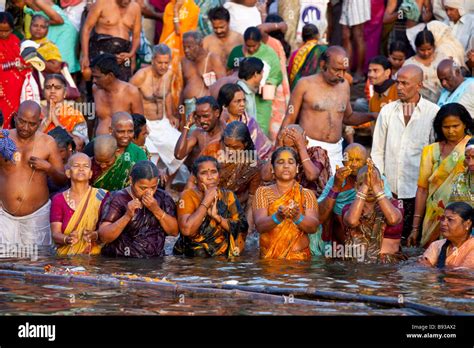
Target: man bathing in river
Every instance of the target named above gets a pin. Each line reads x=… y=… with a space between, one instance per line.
x=24 y=194
x=323 y=114
x=110 y=94
x=154 y=83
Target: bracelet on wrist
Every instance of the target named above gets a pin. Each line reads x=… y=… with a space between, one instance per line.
x=361 y=196
x=306 y=159
x=64 y=240
x=333 y=194
x=205 y=206
x=301 y=218
x=275 y=219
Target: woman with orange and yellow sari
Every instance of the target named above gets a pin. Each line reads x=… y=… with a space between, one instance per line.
x=211 y=220
x=180 y=16
x=285 y=213
x=75 y=212
x=440 y=164
x=58 y=113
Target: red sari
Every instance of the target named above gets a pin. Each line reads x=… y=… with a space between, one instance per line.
x=11 y=81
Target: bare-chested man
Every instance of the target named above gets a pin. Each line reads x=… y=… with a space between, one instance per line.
x=111 y=95
x=24 y=194
x=223 y=40
x=201 y=69
x=113 y=22
x=321 y=104
x=154 y=83
x=207 y=117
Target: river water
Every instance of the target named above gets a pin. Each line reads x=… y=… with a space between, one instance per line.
x=408 y=281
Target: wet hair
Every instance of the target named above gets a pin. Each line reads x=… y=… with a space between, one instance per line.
x=38 y=16
x=381 y=60
x=62 y=138
x=466 y=212
x=424 y=37
x=195 y=35
x=161 y=50
x=139 y=121
x=106 y=63
x=219 y=13
x=452 y=109
x=252 y=33
x=278 y=151
x=278 y=34
x=143 y=170
x=309 y=32
x=398 y=46
x=56 y=77
x=201 y=160
x=6 y=17
x=470 y=142
x=239 y=131
x=209 y=100
x=250 y=66
x=227 y=93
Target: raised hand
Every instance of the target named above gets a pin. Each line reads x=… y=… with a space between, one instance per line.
x=132 y=206
x=341 y=175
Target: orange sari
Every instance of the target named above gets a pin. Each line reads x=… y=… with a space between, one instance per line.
x=279 y=242
x=188 y=21
x=68 y=117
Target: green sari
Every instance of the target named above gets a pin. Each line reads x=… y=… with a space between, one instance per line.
x=117 y=176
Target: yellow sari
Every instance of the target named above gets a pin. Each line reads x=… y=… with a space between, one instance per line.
x=279 y=242
x=437 y=176
x=84 y=218
x=188 y=21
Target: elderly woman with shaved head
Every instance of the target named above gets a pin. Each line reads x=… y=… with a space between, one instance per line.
x=75 y=212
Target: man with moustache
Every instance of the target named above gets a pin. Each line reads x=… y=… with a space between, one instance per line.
x=402 y=129
x=24 y=194
x=154 y=84
x=201 y=69
x=223 y=40
x=323 y=114
x=207 y=117
x=456 y=87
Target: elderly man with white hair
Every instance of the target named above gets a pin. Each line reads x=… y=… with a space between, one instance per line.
x=461 y=22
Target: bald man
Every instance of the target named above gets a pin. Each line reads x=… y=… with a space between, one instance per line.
x=402 y=129
x=201 y=69
x=127 y=154
x=323 y=114
x=339 y=191
x=456 y=88
x=24 y=194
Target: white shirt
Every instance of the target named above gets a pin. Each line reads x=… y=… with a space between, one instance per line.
x=242 y=17
x=463 y=30
x=396 y=147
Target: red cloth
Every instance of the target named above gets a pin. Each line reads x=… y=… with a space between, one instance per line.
x=159 y=6
x=373 y=31
x=11 y=80
x=67 y=3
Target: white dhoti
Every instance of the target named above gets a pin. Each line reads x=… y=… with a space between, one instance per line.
x=161 y=143
x=26 y=230
x=334 y=152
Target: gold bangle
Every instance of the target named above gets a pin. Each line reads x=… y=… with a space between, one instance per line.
x=186 y=127
x=64 y=240
x=306 y=159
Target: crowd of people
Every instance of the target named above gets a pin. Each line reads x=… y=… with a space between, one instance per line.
x=227 y=119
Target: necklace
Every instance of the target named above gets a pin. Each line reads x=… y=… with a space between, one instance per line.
x=70 y=202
